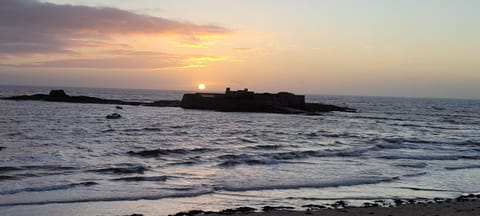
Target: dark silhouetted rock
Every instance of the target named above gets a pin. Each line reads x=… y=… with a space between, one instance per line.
x=58 y=93
x=248 y=101
x=276 y=208
x=398 y=202
x=231 y=101
x=61 y=96
x=340 y=204
x=313 y=206
x=114 y=116
x=369 y=205
x=164 y=103
x=190 y=213
x=1 y=148
x=238 y=210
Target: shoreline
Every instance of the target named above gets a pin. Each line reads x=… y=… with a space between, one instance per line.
x=462 y=205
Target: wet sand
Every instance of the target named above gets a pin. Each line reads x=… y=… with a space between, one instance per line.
x=464 y=205
x=469 y=208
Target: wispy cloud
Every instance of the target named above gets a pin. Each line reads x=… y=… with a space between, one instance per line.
x=108 y=63
x=201 y=61
x=127 y=60
x=242 y=49
x=33 y=27
x=110 y=59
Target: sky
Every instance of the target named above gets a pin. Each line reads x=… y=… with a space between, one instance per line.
x=407 y=48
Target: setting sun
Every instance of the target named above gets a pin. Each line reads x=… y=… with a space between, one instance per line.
x=201 y=86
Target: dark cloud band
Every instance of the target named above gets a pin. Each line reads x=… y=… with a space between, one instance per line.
x=38 y=27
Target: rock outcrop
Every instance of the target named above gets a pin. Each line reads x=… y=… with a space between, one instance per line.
x=231 y=101
x=114 y=116
x=61 y=96
x=248 y=101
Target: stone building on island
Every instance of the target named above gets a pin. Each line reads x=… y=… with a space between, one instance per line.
x=245 y=101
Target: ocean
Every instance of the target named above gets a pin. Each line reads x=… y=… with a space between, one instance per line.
x=68 y=159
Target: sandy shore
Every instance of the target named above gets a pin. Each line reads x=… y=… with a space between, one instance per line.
x=468 y=206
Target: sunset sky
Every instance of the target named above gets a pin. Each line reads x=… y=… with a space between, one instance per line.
x=427 y=48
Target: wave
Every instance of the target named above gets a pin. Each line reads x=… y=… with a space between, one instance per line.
x=430 y=157
x=6 y=177
x=184 y=163
x=122 y=170
x=340 y=135
x=13 y=134
x=279 y=157
x=312 y=134
x=425 y=189
x=158 y=152
x=476 y=166
x=142 y=178
x=243 y=139
x=119 y=198
x=132 y=130
x=400 y=140
x=421 y=157
x=48 y=167
x=415 y=174
x=420 y=125
x=153 y=129
x=413 y=165
x=379 y=118
x=389 y=146
x=265 y=147
x=471 y=143
x=9 y=169
x=341 y=183
x=48 y=188
x=108 y=130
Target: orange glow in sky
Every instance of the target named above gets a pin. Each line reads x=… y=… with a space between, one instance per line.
x=322 y=47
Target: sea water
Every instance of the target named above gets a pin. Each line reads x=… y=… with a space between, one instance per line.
x=68 y=159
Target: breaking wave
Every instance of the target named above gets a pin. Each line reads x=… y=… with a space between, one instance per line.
x=48 y=188
x=337 y=183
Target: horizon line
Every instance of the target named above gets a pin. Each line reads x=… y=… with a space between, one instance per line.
x=215 y=91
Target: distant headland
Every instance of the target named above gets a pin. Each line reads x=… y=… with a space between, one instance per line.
x=230 y=101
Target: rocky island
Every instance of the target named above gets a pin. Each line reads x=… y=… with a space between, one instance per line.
x=230 y=101
x=249 y=101
x=61 y=96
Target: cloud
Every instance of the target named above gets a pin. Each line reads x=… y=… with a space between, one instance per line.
x=116 y=59
x=201 y=61
x=127 y=60
x=109 y=63
x=33 y=27
x=242 y=49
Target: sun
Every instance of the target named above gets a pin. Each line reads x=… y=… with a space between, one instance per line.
x=201 y=86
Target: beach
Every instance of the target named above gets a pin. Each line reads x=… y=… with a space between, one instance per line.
x=471 y=208
x=462 y=206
